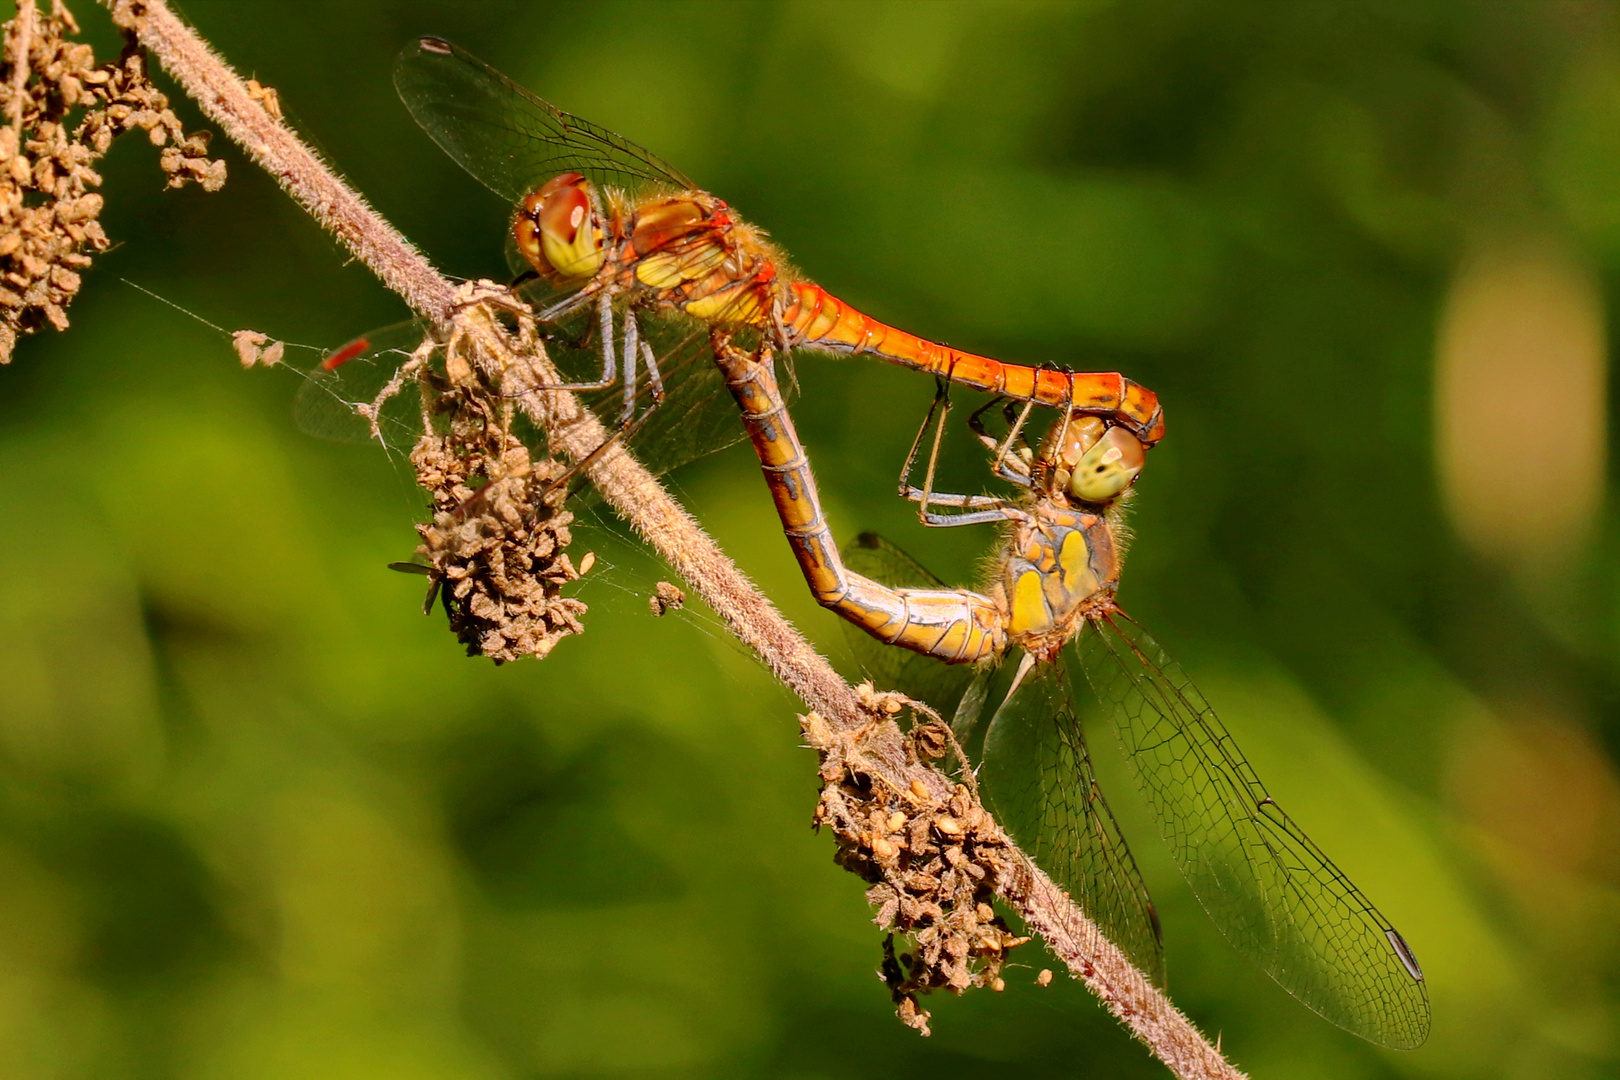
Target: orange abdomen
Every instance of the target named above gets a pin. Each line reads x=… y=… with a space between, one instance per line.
x=814 y=318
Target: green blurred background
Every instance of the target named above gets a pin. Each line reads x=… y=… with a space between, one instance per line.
x=260 y=818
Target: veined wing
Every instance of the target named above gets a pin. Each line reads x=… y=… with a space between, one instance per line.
x=509 y=139
x=919 y=677
x=354 y=402
x=1269 y=889
x=1037 y=777
x=696 y=418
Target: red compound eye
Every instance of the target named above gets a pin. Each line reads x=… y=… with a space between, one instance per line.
x=564 y=206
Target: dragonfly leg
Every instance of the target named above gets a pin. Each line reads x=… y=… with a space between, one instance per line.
x=569 y=304
x=655 y=379
x=630 y=353
x=634 y=346
x=942 y=405
x=1014 y=435
x=610 y=363
x=976 y=422
x=1013 y=468
x=978 y=510
x=987 y=508
x=954 y=625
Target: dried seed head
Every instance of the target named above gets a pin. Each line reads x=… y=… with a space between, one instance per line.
x=934 y=877
x=63 y=112
x=497 y=539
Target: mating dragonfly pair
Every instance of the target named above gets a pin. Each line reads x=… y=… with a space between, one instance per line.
x=653 y=294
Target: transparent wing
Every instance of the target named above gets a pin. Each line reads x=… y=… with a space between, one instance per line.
x=509 y=139
x=696 y=418
x=1037 y=777
x=333 y=404
x=919 y=677
x=1273 y=893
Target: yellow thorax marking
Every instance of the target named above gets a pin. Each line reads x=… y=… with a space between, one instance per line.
x=1078 y=580
x=1030 y=614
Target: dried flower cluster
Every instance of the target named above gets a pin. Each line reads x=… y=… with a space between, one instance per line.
x=934 y=864
x=496 y=544
x=48 y=208
x=498 y=537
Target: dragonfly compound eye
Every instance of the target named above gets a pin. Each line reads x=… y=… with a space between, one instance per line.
x=557 y=228
x=1108 y=468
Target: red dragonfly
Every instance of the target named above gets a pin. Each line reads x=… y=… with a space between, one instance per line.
x=634 y=264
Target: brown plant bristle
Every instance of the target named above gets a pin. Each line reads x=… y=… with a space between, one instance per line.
x=61 y=112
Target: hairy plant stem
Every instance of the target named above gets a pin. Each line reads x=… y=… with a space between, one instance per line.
x=665 y=525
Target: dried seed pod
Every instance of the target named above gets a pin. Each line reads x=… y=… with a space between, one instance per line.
x=497 y=541
x=64 y=112
x=931 y=740
x=666 y=598
x=936 y=885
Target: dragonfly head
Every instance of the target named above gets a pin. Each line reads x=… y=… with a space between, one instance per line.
x=559 y=229
x=1090 y=461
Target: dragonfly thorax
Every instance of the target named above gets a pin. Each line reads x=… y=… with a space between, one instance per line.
x=683 y=250
x=1060 y=565
x=692 y=253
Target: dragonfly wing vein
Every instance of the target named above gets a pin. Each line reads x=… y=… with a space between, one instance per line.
x=1274 y=894
x=507 y=138
x=1038 y=778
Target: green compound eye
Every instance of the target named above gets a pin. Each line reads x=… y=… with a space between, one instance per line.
x=1108 y=468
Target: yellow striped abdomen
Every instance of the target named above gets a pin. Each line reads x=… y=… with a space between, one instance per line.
x=956 y=626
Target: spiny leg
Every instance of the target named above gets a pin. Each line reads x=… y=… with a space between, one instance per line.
x=1016 y=434
x=635 y=345
x=610 y=364
x=985 y=508
x=631 y=339
x=942 y=396
x=1014 y=468
x=655 y=378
